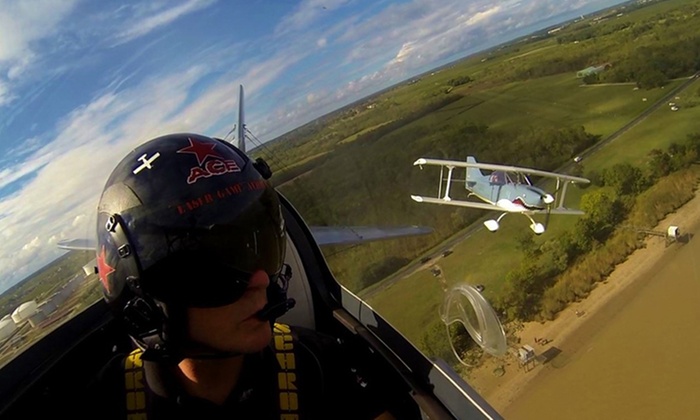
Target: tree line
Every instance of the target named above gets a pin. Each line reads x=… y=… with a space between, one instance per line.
x=564 y=269
x=648 y=52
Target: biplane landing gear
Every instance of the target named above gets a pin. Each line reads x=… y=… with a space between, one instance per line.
x=493 y=225
x=538 y=228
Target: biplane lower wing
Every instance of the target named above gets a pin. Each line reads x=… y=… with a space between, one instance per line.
x=563 y=210
x=461 y=203
x=512 y=208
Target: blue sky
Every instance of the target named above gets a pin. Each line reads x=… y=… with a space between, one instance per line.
x=83 y=82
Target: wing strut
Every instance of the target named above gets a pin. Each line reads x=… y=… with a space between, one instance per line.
x=449 y=179
x=563 y=193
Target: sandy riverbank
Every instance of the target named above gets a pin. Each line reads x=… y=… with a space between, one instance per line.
x=569 y=332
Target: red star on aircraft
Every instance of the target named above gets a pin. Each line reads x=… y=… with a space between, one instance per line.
x=200 y=148
x=103 y=268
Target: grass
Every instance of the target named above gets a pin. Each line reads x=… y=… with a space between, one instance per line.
x=558 y=100
x=359 y=133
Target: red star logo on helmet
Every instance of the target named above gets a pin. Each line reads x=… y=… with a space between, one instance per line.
x=202 y=149
x=103 y=268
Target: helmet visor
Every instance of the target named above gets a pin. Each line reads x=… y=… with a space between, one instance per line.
x=209 y=266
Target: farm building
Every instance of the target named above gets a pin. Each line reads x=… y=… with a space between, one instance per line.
x=592 y=70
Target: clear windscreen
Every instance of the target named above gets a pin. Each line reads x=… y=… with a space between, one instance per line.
x=585 y=291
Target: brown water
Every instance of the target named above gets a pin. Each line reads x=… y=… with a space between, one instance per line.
x=637 y=359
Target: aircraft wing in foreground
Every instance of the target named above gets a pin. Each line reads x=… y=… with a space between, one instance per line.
x=324 y=235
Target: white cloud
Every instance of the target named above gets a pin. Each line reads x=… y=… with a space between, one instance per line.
x=480 y=17
x=405 y=51
x=11 y=174
x=23 y=22
x=19 y=66
x=33 y=244
x=52 y=241
x=22 y=25
x=306 y=13
x=5 y=96
x=161 y=18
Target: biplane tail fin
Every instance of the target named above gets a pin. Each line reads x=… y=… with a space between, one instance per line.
x=473 y=174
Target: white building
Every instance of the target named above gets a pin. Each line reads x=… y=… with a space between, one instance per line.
x=7 y=327
x=24 y=311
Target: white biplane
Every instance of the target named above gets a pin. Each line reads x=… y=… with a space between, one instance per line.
x=507 y=189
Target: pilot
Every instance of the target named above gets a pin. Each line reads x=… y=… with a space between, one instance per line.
x=191 y=247
x=497 y=178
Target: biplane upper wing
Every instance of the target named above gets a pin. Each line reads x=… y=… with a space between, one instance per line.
x=495 y=167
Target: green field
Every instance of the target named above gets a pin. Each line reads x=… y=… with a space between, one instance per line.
x=558 y=100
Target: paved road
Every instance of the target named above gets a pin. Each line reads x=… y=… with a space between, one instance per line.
x=658 y=104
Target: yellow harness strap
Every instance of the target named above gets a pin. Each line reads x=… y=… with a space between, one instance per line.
x=286 y=374
x=133 y=384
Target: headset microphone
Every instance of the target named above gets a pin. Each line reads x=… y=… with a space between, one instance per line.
x=277 y=301
x=272 y=312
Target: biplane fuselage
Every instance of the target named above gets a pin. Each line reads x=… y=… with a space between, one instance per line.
x=499 y=185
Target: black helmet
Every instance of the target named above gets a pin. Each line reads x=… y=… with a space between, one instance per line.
x=183 y=221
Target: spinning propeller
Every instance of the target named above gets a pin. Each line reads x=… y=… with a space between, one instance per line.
x=466 y=305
